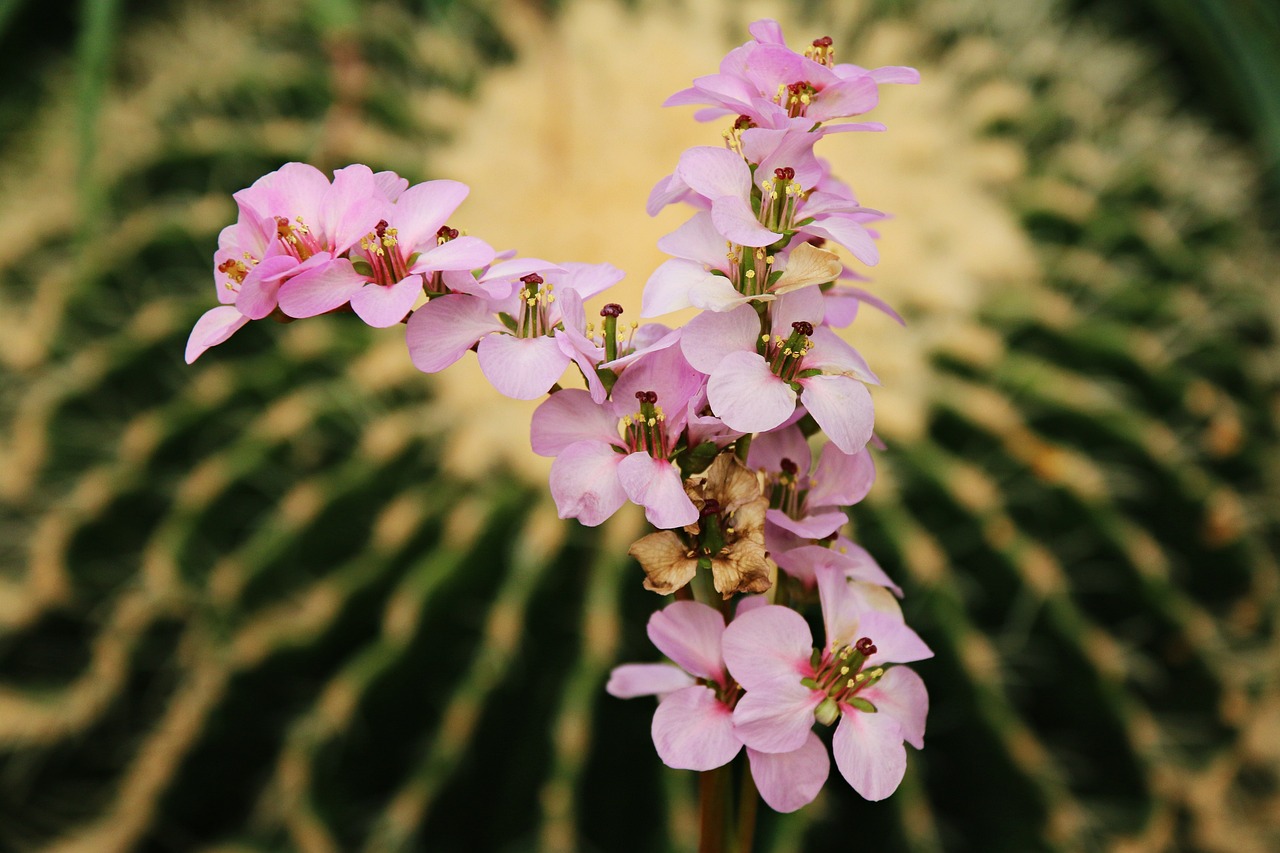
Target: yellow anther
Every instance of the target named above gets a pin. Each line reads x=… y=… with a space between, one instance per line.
x=773 y=195
x=652 y=422
x=764 y=338
x=551 y=298
x=634 y=325
x=804 y=99
x=751 y=273
x=769 y=259
x=844 y=670
x=850 y=683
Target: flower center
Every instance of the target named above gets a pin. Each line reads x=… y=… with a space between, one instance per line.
x=536 y=298
x=444 y=234
x=297 y=238
x=822 y=52
x=235 y=271
x=382 y=254
x=646 y=429
x=787 y=494
x=840 y=674
x=796 y=97
x=779 y=199
x=785 y=355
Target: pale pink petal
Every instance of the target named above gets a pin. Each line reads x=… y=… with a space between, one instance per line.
x=842 y=479
x=461 y=253
x=715 y=172
x=895 y=74
x=665 y=372
x=567 y=417
x=696 y=240
x=831 y=354
x=848 y=233
x=646 y=679
x=586 y=280
x=666 y=191
x=815 y=526
x=693 y=730
x=320 y=290
x=767 y=644
x=776 y=716
x=656 y=485
x=213 y=327
x=766 y=31
x=747 y=396
x=861 y=566
x=870 y=299
x=260 y=291
x=390 y=184
x=423 y=208
x=869 y=752
x=440 y=332
x=894 y=641
x=716 y=293
x=689 y=633
x=770 y=448
x=842 y=407
x=383 y=307
x=352 y=207
x=804 y=305
x=850 y=560
x=847 y=98
x=734 y=219
x=747 y=603
x=584 y=482
x=521 y=368
x=669 y=286
x=901 y=694
x=788 y=781
x=711 y=336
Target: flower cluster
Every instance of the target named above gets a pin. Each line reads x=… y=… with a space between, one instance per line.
x=708 y=427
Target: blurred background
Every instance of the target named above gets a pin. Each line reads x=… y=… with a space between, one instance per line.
x=300 y=597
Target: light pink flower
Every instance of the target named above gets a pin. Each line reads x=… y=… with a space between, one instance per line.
x=693 y=726
x=769 y=652
x=607 y=454
x=755 y=379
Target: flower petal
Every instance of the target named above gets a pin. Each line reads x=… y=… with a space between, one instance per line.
x=423 y=208
x=816 y=526
x=842 y=479
x=440 y=332
x=646 y=679
x=715 y=172
x=747 y=396
x=869 y=752
x=709 y=337
x=901 y=694
x=584 y=482
x=770 y=448
x=383 y=307
x=767 y=644
x=693 y=730
x=655 y=484
x=213 y=327
x=842 y=407
x=320 y=290
x=788 y=781
x=570 y=416
x=776 y=716
x=668 y=287
x=689 y=633
x=459 y=254
x=734 y=218
x=521 y=368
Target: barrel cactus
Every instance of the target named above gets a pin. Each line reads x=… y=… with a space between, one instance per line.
x=291 y=598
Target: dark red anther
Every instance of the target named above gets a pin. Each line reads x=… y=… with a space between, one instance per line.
x=803 y=327
x=226 y=265
x=651 y=397
x=800 y=87
x=789 y=467
x=865 y=647
x=786 y=173
x=825 y=41
x=381 y=228
x=613 y=309
x=710 y=507
x=282 y=226
x=446 y=233
x=743 y=123
x=531 y=278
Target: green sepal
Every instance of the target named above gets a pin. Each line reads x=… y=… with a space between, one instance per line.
x=797 y=387
x=808 y=426
x=697 y=460
x=412 y=259
x=827 y=711
x=809 y=682
x=507 y=320
x=775 y=275
x=805 y=374
x=607 y=377
x=861 y=704
x=362 y=266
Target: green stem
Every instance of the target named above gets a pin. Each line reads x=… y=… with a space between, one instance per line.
x=712 y=794
x=748 y=799
x=741 y=446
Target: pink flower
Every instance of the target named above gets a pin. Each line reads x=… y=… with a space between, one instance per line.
x=607 y=454
x=693 y=726
x=789 y=685
x=546 y=332
x=755 y=379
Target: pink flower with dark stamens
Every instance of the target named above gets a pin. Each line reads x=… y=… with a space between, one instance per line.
x=547 y=328
x=693 y=726
x=607 y=454
x=755 y=378
x=790 y=685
